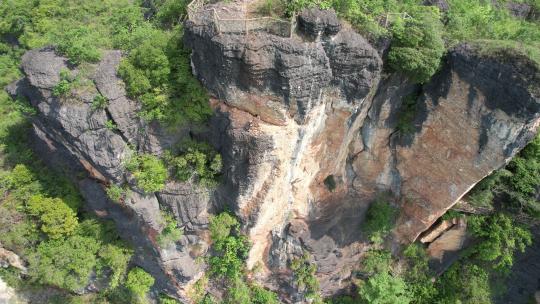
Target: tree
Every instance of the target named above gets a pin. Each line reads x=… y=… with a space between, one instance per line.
x=64 y=263
x=500 y=238
x=56 y=217
x=383 y=288
x=149 y=172
x=417 y=45
x=139 y=282
x=116 y=258
x=380 y=219
x=464 y=283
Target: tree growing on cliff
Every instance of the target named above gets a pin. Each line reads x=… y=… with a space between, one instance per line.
x=417 y=44
x=380 y=219
x=149 y=172
x=56 y=218
x=139 y=283
x=383 y=288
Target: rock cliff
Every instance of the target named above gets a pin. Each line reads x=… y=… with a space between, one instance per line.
x=294 y=117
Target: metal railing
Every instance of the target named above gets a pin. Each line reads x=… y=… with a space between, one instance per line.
x=275 y=26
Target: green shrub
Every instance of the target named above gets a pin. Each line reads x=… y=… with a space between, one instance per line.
x=406 y=115
x=116 y=258
x=99 y=102
x=116 y=193
x=56 y=218
x=259 y=295
x=222 y=225
x=79 y=45
x=330 y=183
x=376 y=261
x=304 y=277
x=500 y=238
x=380 y=219
x=384 y=288
x=64 y=263
x=198 y=161
x=65 y=85
x=417 y=45
x=165 y=299
x=110 y=125
x=418 y=275
x=139 y=283
x=149 y=172
x=171 y=233
x=464 y=283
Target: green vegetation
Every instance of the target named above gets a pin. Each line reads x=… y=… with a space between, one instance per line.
x=407 y=114
x=116 y=193
x=516 y=184
x=149 y=172
x=304 y=278
x=417 y=45
x=501 y=237
x=419 y=38
x=99 y=102
x=384 y=288
x=57 y=219
x=139 y=283
x=230 y=249
x=171 y=233
x=65 y=85
x=196 y=161
x=380 y=219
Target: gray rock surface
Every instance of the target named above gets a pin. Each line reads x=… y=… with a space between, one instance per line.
x=314 y=21
x=288 y=72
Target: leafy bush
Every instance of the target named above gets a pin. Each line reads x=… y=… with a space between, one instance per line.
x=64 y=263
x=79 y=45
x=384 y=288
x=149 y=172
x=116 y=193
x=380 y=219
x=417 y=45
x=407 y=114
x=171 y=233
x=500 y=238
x=116 y=258
x=198 y=161
x=376 y=261
x=464 y=283
x=139 y=283
x=304 y=277
x=259 y=295
x=99 y=102
x=56 y=218
x=418 y=275
x=65 y=85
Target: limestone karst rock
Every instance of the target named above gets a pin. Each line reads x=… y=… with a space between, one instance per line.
x=290 y=112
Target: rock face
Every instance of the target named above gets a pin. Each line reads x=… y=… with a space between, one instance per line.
x=71 y=133
x=291 y=114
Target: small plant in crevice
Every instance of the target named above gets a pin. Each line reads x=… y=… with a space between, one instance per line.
x=99 y=102
x=407 y=113
x=380 y=219
x=65 y=85
x=171 y=233
x=116 y=193
x=110 y=125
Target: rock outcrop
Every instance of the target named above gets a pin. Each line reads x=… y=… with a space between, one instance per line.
x=291 y=114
